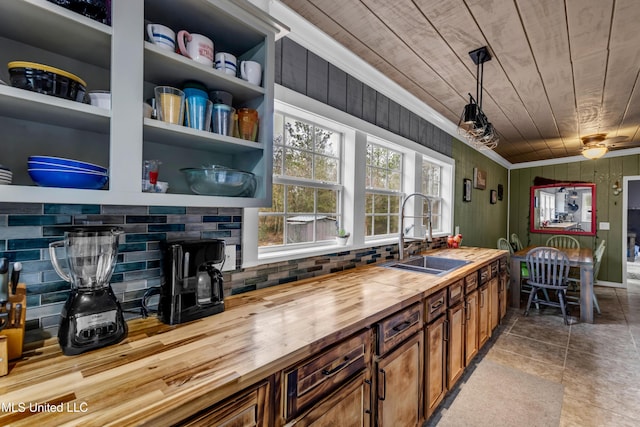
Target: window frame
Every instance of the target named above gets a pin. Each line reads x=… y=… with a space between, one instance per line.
x=356 y=134
x=306 y=117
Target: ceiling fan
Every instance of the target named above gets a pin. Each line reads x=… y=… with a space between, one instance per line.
x=597 y=144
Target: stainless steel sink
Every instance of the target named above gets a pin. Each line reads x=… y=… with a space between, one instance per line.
x=429 y=264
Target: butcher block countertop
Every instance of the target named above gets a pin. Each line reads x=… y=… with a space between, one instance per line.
x=161 y=374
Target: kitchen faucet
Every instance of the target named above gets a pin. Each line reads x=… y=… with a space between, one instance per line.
x=428 y=237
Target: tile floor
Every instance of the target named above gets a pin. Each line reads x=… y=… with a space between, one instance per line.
x=598 y=364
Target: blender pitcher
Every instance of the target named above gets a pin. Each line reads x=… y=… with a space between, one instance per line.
x=91 y=317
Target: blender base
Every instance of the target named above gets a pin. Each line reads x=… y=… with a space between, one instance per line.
x=91 y=319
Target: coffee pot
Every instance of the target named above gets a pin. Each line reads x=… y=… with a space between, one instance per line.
x=91 y=317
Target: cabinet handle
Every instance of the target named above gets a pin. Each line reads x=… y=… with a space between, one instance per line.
x=467 y=311
x=384 y=385
x=402 y=326
x=329 y=372
x=437 y=305
x=482 y=299
x=446 y=330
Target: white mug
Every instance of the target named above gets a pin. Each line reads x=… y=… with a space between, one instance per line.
x=196 y=46
x=251 y=71
x=162 y=36
x=226 y=62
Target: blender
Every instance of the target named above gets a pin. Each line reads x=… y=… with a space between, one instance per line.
x=91 y=317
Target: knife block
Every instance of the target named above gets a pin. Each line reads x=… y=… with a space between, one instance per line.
x=12 y=337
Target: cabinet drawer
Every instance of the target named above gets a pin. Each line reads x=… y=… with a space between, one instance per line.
x=435 y=305
x=503 y=264
x=494 y=269
x=471 y=282
x=485 y=274
x=313 y=379
x=398 y=327
x=456 y=292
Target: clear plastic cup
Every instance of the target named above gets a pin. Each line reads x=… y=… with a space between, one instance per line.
x=170 y=104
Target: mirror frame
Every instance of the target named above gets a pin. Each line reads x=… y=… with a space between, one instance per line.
x=533 y=204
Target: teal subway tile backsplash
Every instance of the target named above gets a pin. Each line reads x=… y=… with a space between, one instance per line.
x=35 y=220
x=26 y=229
x=50 y=209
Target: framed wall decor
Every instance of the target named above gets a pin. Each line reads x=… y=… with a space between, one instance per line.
x=466 y=190
x=500 y=191
x=493 y=198
x=479 y=179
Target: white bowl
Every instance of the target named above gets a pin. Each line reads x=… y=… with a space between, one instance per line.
x=101 y=99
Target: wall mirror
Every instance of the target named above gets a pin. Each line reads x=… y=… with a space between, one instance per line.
x=563 y=208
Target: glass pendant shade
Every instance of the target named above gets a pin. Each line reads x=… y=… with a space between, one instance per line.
x=595 y=152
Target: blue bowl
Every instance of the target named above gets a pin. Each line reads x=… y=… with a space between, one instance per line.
x=68 y=162
x=68 y=179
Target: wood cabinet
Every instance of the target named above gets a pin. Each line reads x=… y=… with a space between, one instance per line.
x=484 y=303
x=116 y=58
x=399 y=385
x=349 y=406
x=494 y=303
x=435 y=379
x=503 y=282
x=399 y=368
x=471 y=306
x=308 y=382
x=455 y=343
x=248 y=408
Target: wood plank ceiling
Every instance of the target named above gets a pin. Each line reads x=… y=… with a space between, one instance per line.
x=561 y=69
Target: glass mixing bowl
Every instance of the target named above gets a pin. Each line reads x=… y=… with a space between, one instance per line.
x=220 y=181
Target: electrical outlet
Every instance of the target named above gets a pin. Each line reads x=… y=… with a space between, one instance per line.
x=229 y=258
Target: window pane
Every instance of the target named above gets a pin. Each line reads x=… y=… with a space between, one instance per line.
x=394 y=204
x=395 y=181
x=278 y=158
x=300 y=199
x=298 y=163
x=327 y=142
x=394 y=224
x=381 y=204
x=326 y=169
x=278 y=129
x=368 y=203
x=327 y=201
x=270 y=230
x=277 y=200
x=368 y=223
x=380 y=224
x=325 y=228
x=299 y=134
x=300 y=228
x=379 y=178
x=395 y=160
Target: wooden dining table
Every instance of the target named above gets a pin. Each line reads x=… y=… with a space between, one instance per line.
x=581 y=258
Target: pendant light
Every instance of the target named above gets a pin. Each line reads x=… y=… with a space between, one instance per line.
x=474 y=125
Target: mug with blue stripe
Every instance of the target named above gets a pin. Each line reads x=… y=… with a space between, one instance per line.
x=162 y=36
x=226 y=62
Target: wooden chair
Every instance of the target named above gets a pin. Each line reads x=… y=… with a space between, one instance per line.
x=563 y=241
x=548 y=269
x=505 y=245
x=515 y=241
x=575 y=278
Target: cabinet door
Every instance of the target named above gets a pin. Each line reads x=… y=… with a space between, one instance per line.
x=494 y=305
x=248 y=408
x=435 y=364
x=483 y=315
x=350 y=406
x=471 y=326
x=502 y=290
x=399 y=385
x=455 y=344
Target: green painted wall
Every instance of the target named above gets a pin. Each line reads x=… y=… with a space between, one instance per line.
x=604 y=173
x=480 y=222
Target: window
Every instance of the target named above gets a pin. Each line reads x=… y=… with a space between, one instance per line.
x=307 y=185
x=547 y=206
x=383 y=191
x=432 y=187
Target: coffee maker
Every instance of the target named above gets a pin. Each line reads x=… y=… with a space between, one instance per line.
x=192 y=287
x=91 y=317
